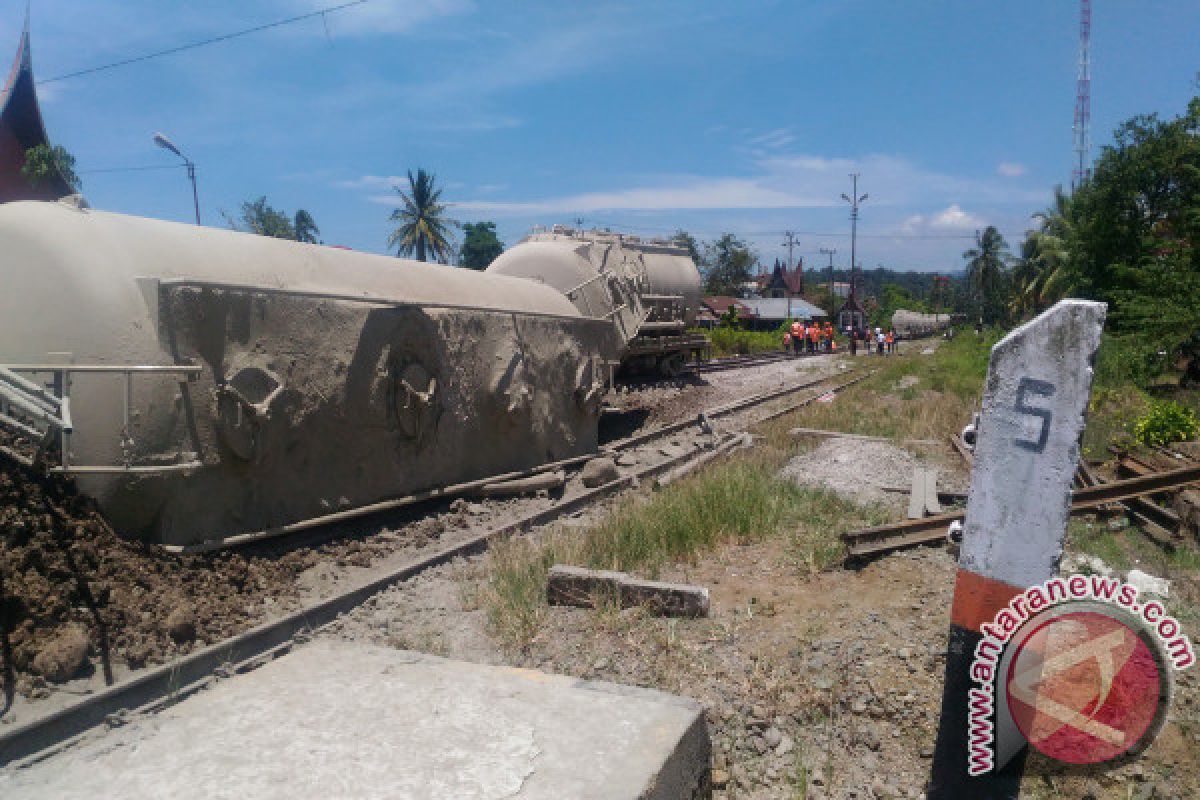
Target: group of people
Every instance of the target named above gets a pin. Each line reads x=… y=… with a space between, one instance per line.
x=815 y=337
x=809 y=337
x=886 y=342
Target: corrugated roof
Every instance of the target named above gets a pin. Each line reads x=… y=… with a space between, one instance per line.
x=719 y=304
x=781 y=308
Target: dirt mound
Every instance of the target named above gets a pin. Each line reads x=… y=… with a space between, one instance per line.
x=854 y=468
x=75 y=597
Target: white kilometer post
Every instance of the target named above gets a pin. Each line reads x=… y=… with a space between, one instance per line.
x=1038 y=384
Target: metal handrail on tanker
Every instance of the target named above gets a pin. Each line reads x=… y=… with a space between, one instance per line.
x=53 y=409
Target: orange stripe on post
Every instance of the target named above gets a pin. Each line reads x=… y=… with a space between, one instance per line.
x=977 y=599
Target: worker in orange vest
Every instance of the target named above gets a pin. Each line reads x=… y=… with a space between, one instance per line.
x=798 y=336
x=787 y=342
x=829 y=336
x=891 y=341
x=814 y=336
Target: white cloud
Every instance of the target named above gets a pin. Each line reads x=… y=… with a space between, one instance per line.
x=783 y=181
x=372 y=182
x=955 y=219
x=1011 y=169
x=773 y=140
x=684 y=193
x=389 y=16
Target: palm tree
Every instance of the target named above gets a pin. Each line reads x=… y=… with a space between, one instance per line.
x=422 y=224
x=1026 y=273
x=1057 y=232
x=987 y=264
x=306 y=228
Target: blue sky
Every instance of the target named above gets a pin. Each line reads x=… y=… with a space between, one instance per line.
x=644 y=116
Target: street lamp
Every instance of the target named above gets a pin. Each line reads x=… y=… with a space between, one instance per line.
x=167 y=144
x=853 y=200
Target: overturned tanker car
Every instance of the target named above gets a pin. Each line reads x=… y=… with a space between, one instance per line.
x=201 y=383
x=649 y=288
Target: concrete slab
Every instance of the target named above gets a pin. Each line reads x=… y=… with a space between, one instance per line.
x=349 y=720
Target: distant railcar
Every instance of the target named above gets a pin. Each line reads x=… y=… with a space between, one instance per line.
x=914 y=325
x=650 y=289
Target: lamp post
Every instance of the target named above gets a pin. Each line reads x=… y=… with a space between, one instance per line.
x=167 y=144
x=853 y=200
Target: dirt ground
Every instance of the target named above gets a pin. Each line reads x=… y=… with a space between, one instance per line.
x=820 y=685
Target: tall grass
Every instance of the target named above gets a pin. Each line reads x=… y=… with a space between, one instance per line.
x=738 y=501
x=735 y=342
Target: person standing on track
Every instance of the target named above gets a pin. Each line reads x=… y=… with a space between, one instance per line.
x=828 y=336
x=814 y=336
x=890 y=339
x=787 y=342
x=798 y=336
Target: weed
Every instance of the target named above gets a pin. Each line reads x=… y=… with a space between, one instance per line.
x=739 y=501
x=1166 y=422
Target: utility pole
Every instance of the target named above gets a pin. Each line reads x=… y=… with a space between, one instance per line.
x=854 y=200
x=1083 y=96
x=791 y=242
x=830 y=252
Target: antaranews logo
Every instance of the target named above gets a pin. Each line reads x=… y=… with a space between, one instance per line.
x=1076 y=667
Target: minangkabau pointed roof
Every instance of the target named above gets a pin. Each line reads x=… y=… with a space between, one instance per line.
x=21 y=127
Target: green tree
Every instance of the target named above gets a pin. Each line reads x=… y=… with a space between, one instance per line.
x=259 y=217
x=305 y=228
x=45 y=161
x=1137 y=244
x=422 y=223
x=727 y=265
x=686 y=240
x=987 y=272
x=480 y=245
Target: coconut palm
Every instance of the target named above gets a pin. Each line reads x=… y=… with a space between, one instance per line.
x=305 y=227
x=423 y=226
x=987 y=265
x=1057 y=232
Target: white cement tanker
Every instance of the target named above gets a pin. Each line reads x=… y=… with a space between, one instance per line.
x=649 y=288
x=915 y=324
x=209 y=383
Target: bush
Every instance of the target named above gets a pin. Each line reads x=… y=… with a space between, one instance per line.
x=1166 y=422
x=1127 y=359
x=731 y=341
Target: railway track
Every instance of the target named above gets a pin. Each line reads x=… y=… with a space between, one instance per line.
x=871 y=542
x=160 y=686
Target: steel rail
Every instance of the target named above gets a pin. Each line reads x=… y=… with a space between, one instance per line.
x=911 y=533
x=469 y=487
x=155 y=688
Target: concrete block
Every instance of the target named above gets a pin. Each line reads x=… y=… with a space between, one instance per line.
x=576 y=586
x=337 y=719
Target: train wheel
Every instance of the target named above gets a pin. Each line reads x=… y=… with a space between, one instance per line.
x=671 y=366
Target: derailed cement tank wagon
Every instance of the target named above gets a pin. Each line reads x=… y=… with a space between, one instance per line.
x=206 y=383
x=650 y=289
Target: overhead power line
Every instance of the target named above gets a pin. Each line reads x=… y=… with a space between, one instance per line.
x=130 y=169
x=204 y=43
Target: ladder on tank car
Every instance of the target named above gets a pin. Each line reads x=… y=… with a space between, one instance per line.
x=42 y=414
